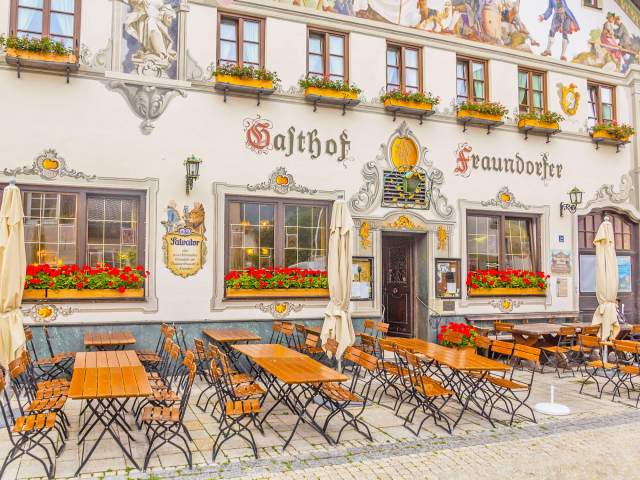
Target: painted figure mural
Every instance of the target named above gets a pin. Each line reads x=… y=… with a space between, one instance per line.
x=529 y=25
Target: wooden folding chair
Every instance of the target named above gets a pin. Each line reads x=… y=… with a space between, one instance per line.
x=561 y=354
x=627 y=370
x=502 y=331
x=275 y=332
x=311 y=347
x=51 y=367
x=588 y=345
x=382 y=329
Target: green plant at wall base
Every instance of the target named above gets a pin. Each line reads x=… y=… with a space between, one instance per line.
x=544 y=117
x=414 y=97
x=619 y=131
x=247 y=72
x=41 y=45
x=325 y=83
x=487 y=108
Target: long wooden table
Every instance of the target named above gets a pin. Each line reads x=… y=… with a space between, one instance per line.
x=107 y=380
x=292 y=378
x=225 y=338
x=108 y=340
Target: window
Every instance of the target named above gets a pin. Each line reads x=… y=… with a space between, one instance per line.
x=497 y=241
x=532 y=97
x=56 y=19
x=264 y=233
x=602 y=103
x=331 y=61
x=83 y=226
x=591 y=3
x=240 y=41
x=471 y=80
x=404 y=68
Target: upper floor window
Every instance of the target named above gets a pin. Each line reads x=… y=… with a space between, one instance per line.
x=327 y=55
x=592 y=3
x=531 y=91
x=404 y=66
x=241 y=41
x=472 y=80
x=58 y=20
x=602 y=103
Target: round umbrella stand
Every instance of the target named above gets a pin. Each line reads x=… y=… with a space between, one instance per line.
x=552 y=408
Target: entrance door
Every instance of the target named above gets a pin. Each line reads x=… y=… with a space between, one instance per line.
x=397 y=284
x=626 y=243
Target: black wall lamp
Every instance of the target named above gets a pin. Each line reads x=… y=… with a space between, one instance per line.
x=575 y=199
x=192 y=164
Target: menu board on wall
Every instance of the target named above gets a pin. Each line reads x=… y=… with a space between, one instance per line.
x=362 y=278
x=184 y=244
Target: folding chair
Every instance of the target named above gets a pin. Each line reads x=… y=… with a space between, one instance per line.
x=502 y=331
x=202 y=358
x=50 y=367
x=390 y=373
x=159 y=344
x=153 y=361
x=627 y=372
x=589 y=344
x=368 y=327
x=286 y=335
x=592 y=330
x=311 y=347
x=29 y=435
x=300 y=335
x=368 y=344
x=483 y=345
x=275 y=332
x=634 y=334
x=382 y=329
x=561 y=354
x=165 y=424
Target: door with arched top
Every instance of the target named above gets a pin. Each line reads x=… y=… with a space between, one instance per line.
x=626 y=243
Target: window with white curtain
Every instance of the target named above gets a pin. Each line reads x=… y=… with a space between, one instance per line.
x=56 y=19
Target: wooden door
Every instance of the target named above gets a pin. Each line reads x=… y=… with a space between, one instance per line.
x=626 y=243
x=397 y=284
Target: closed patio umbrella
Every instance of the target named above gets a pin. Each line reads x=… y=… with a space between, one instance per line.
x=337 y=318
x=13 y=264
x=606 y=282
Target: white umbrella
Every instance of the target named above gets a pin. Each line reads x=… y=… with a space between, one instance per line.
x=13 y=265
x=606 y=282
x=337 y=318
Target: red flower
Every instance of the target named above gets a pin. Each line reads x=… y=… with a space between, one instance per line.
x=121 y=289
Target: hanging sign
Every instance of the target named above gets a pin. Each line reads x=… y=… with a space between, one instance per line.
x=184 y=244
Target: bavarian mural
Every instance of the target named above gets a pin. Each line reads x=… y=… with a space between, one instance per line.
x=562 y=29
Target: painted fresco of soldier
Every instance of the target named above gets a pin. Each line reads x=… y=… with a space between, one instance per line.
x=563 y=22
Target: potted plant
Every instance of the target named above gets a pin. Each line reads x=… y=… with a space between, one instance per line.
x=493 y=283
x=458 y=335
x=612 y=131
x=248 y=77
x=276 y=282
x=540 y=120
x=315 y=86
x=488 y=111
x=410 y=101
x=27 y=49
x=74 y=282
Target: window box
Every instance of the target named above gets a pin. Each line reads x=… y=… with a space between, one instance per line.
x=477 y=118
x=51 y=61
x=330 y=96
x=539 y=127
x=34 y=294
x=507 y=292
x=95 y=294
x=230 y=82
x=393 y=105
x=277 y=293
x=603 y=136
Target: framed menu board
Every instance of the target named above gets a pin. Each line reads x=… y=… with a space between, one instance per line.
x=362 y=278
x=448 y=283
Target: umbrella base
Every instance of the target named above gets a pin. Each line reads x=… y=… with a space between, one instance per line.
x=555 y=409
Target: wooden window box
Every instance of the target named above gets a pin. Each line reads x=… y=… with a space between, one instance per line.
x=331 y=97
x=229 y=83
x=48 y=61
x=408 y=108
x=608 y=139
x=507 y=292
x=538 y=128
x=277 y=293
x=84 y=294
x=468 y=117
x=34 y=294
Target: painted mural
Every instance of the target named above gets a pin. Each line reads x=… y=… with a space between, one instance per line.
x=562 y=29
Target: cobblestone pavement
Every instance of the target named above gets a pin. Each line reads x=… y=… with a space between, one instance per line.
x=599 y=439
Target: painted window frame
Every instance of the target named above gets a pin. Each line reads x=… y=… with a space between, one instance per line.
x=599 y=86
x=530 y=73
x=46 y=20
x=535 y=237
x=278 y=223
x=240 y=19
x=403 y=47
x=468 y=61
x=597 y=4
x=326 y=56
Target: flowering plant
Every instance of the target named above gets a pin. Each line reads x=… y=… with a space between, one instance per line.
x=271 y=278
x=619 y=131
x=488 y=108
x=41 y=277
x=544 y=117
x=249 y=72
x=465 y=333
x=507 y=279
x=414 y=97
x=321 y=82
x=40 y=45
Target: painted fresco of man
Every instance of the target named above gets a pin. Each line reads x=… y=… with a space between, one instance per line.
x=563 y=22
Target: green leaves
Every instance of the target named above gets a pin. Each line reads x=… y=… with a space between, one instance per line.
x=619 y=131
x=247 y=72
x=321 y=82
x=41 y=45
x=414 y=97
x=487 y=108
x=544 y=117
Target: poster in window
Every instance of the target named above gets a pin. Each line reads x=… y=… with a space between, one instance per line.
x=362 y=278
x=184 y=244
x=448 y=283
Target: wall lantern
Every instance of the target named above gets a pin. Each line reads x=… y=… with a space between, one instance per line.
x=575 y=199
x=192 y=164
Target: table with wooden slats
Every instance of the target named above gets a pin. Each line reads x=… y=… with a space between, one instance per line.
x=317 y=329
x=225 y=338
x=108 y=340
x=107 y=380
x=293 y=378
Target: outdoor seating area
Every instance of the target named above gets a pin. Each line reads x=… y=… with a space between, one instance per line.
x=69 y=409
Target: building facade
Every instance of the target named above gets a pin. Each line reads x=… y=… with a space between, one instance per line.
x=99 y=153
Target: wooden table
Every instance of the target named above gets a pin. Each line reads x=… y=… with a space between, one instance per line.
x=296 y=379
x=225 y=338
x=107 y=380
x=533 y=334
x=316 y=329
x=461 y=365
x=108 y=340
x=624 y=327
